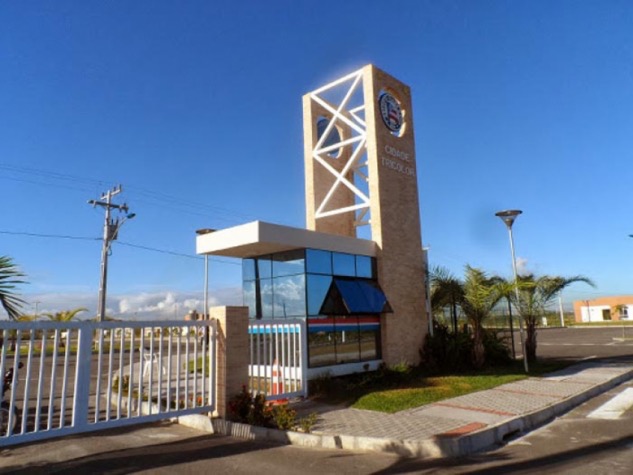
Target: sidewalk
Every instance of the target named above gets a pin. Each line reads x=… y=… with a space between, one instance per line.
x=453 y=427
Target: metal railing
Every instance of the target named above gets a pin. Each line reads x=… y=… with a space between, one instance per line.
x=278 y=357
x=72 y=377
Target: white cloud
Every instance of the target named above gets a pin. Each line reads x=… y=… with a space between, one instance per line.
x=522 y=263
x=159 y=305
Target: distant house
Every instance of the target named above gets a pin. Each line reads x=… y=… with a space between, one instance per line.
x=604 y=309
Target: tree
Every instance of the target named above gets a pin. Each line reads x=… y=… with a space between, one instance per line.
x=481 y=294
x=535 y=294
x=10 y=276
x=476 y=295
x=64 y=315
x=446 y=290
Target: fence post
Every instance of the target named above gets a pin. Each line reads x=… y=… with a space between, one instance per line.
x=82 y=376
x=233 y=353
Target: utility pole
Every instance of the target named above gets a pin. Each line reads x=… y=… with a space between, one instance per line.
x=110 y=232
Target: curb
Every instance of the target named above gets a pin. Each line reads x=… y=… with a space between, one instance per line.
x=435 y=447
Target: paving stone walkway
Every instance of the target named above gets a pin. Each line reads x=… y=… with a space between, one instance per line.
x=474 y=421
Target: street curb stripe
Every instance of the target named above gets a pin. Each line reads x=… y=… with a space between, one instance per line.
x=476 y=409
x=467 y=429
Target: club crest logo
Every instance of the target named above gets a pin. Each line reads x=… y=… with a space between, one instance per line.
x=390 y=112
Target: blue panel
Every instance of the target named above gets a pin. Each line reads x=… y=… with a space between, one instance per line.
x=364 y=267
x=318 y=285
x=344 y=264
x=360 y=296
x=318 y=262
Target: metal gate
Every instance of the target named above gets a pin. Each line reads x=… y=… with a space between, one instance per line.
x=71 y=377
x=278 y=356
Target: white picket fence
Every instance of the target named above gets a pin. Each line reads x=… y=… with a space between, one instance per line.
x=278 y=357
x=85 y=376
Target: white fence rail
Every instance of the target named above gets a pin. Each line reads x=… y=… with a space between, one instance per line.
x=71 y=377
x=278 y=357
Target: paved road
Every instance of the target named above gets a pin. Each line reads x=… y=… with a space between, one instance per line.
x=170 y=448
x=580 y=343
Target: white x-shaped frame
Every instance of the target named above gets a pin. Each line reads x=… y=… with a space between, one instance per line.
x=357 y=161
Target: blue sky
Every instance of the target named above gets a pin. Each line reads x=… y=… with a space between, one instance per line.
x=195 y=108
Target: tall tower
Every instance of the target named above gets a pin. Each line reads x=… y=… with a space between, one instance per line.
x=361 y=177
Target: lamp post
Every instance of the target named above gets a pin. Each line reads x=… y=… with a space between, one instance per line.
x=508 y=217
x=205 y=314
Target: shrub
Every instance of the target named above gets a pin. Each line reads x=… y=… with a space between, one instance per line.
x=284 y=417
x=448 y=351
x=306 y=423
x=496 y=348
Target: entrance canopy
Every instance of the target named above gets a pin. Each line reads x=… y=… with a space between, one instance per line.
x=259 y=238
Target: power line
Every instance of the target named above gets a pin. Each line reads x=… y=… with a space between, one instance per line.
x=59 y=236
x=129 y=244
x=162 y=251
x=190 y=256
x=160 y=199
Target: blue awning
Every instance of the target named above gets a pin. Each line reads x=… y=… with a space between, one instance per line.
x=353 y=296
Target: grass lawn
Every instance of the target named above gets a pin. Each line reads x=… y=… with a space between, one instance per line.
x=392 y=391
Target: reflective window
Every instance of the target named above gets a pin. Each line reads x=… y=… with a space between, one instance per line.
x=347 y=339
x=321 y=342
x=250 y=299
x=364 y=267
x=248 y=269
x=343 y=264
x=318 y=262
x=289 y=296
x=369 y=344
x=266 y=295
x=289 y=263
x=264 y=267
x=318 y=286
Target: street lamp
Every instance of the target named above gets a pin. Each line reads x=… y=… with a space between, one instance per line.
x=508 y=217
x=202 y=232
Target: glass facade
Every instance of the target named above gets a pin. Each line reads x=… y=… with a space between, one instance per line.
x=296 y=283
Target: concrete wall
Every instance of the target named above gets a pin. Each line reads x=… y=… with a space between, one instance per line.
x=232 y=353
x=591 y=310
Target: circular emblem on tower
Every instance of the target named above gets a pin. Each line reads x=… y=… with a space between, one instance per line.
x=390 y=111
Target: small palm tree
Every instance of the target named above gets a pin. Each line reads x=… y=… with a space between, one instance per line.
x=535 y=294
x=10 y=276
x=481 y=294
x=446 y=290
x=64 y=315
x=476 y=295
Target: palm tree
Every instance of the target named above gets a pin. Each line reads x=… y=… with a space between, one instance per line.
x=481 y=294
x=476 y=295
x=10 y=276
x=64 y=315
x=446 y=290
x=535 y=294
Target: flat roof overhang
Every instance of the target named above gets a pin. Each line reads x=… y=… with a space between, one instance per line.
x=258 y=238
